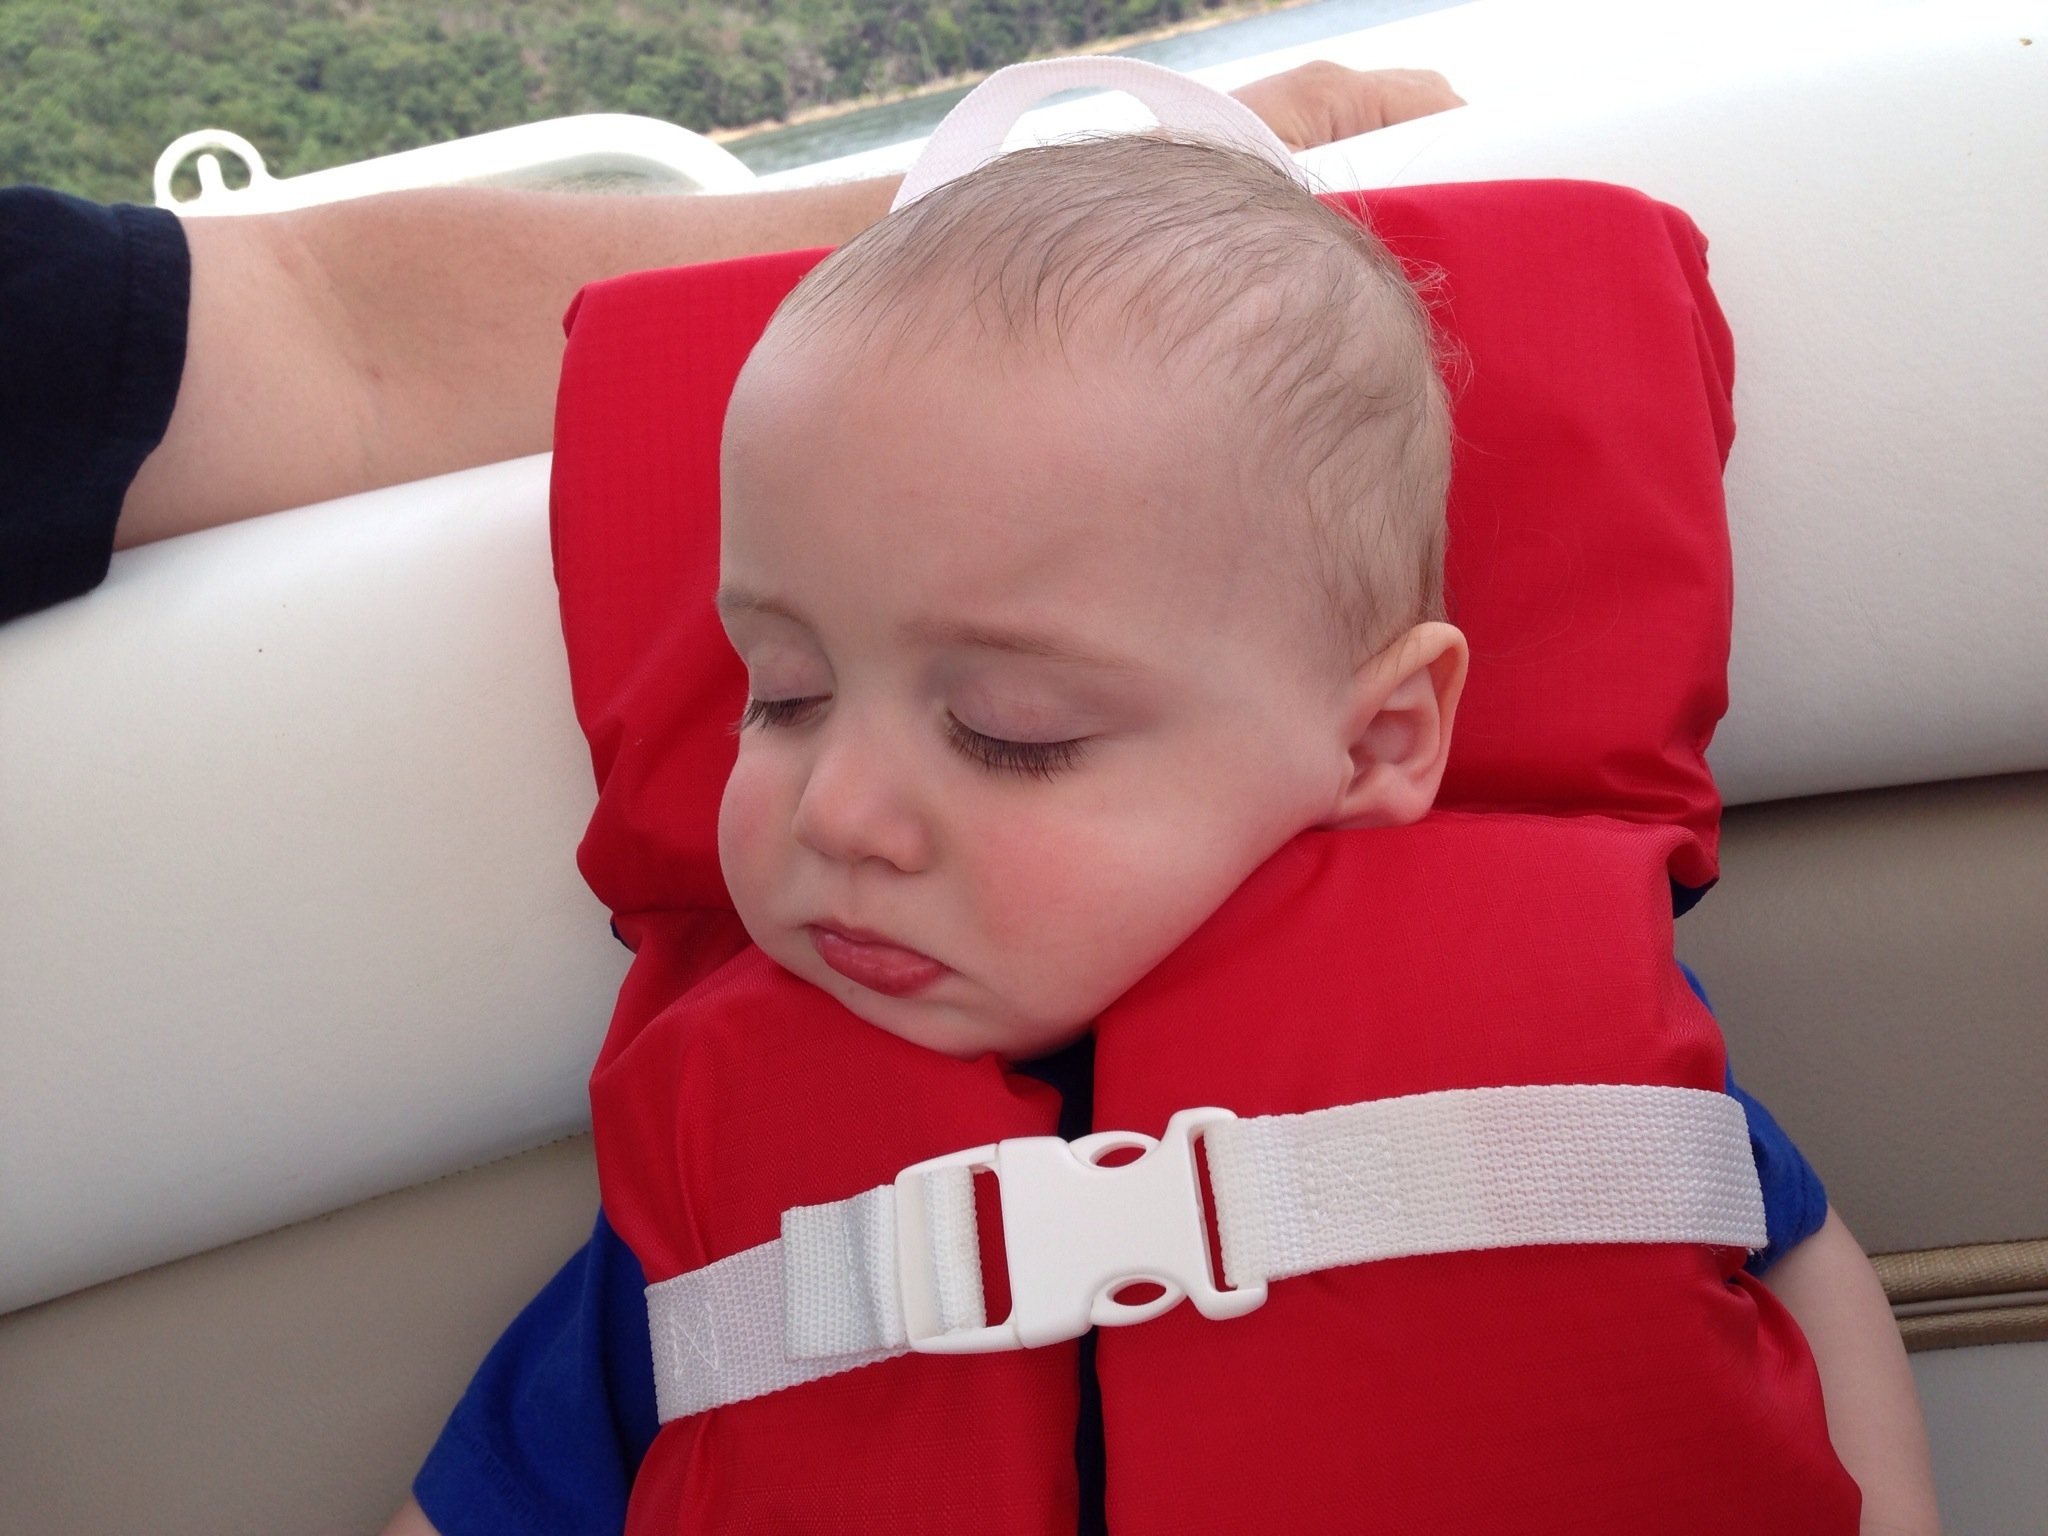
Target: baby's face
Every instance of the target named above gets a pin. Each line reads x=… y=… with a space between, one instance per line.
x=1028 y=700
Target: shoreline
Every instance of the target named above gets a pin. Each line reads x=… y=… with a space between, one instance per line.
x=1233 y=10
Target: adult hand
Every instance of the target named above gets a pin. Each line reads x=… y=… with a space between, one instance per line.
x=1321 y=102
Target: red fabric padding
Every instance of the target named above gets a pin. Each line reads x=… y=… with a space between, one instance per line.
x=1569 y=1389
x=1596 y=1390
x=1589 y=560
x=651 y=361
x=756 y=1092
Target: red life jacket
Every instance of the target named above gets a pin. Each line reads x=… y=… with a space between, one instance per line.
x=1582 y=1388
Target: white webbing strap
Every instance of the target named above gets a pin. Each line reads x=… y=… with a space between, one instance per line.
x=840 y=1295
x=1429 y=1173
x=823 y=1298
x=973 y=133
x=1482 y=1168
x=955 y=1249
x=718 y=1336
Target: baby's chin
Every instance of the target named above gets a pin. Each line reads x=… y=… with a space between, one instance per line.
x=957 y=1030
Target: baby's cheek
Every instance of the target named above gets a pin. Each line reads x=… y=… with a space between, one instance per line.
x=1153 y=881
x=1022 y=893
x=749 y=826
x=1075 y=909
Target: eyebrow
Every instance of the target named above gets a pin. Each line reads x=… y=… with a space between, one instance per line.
x=966 y=635
x=731 y=600
x=954 y=633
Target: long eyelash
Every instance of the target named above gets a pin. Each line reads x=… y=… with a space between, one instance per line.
x=1029 y=759
x=772 y=712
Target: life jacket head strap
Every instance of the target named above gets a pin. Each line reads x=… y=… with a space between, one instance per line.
x=897 y=1268
x=976 y=130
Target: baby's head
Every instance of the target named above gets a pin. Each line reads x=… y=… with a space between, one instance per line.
x=1083 y=540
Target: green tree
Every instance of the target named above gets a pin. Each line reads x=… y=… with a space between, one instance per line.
x=91 y=92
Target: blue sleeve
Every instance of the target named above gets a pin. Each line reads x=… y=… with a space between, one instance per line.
x=1795 y=1203
x=555 y=1423
x=93 y=306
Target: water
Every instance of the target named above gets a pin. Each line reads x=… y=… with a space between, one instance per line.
x=780 y=149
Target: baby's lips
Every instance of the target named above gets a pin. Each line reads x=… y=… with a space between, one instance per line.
x=874 y=963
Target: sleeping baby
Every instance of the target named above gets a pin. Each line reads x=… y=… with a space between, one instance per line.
x=1082 y=557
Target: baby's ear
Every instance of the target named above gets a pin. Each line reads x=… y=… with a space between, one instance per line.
x=1398 y=724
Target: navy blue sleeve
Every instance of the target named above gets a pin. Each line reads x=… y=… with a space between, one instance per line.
x=1795 y=1203
x=553 y=1428
x=93 y=306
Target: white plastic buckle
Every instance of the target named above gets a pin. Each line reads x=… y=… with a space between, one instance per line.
x=1076 y=1233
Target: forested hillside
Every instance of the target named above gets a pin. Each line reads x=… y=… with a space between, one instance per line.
x=92 y=90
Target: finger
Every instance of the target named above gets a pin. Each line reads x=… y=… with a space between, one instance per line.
x=1412 y=93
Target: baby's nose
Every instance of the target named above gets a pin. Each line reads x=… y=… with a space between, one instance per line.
x=859 y=803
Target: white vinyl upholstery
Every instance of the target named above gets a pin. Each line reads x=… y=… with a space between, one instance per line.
x=1873 y=190
x=288 y=915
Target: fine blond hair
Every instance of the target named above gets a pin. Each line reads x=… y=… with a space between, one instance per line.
x=1216 y=266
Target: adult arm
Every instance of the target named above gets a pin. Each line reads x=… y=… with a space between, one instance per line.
x=1873 y=1411
x=366 y=343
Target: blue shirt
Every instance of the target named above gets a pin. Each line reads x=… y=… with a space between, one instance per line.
x=552 y=1429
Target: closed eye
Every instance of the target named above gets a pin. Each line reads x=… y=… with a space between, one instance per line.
x=777 y=711
x=1027 y=759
